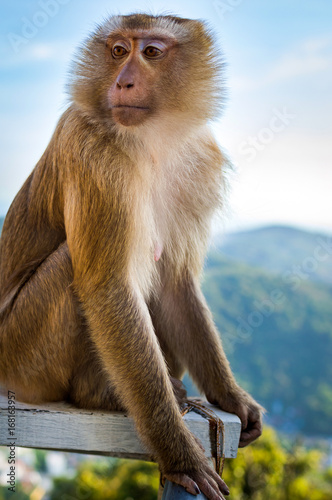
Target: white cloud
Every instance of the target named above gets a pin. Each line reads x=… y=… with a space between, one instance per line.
x=35 y=52
x=42 y=51
x=311 y=56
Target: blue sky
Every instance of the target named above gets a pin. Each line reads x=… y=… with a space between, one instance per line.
x=276 y=127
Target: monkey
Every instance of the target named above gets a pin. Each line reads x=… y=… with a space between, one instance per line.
x=103 y=247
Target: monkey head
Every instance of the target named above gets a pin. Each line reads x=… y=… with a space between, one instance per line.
x=137 y=67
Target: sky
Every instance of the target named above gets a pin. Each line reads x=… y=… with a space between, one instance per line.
x=277 y=120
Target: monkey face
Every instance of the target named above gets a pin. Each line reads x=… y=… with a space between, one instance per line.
x=137 y=67
x=139 y=63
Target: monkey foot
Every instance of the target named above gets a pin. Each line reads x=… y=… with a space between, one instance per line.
x=208 y=482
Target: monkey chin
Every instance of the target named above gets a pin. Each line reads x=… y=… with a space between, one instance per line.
x=130 y=115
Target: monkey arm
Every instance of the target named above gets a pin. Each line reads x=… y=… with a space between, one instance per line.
x=120 y=326
x=33 y=212
x=185 y=326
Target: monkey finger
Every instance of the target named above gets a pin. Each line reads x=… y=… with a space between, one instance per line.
x=248 y=436
x=242 y=413
x=183 y=480
x=210 y=489
x=251 y=433
x=221 y=484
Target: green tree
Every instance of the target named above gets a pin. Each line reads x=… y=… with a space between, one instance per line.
x=20 y=493
x=40 y=460
x=124 y=480
x=258 y=471
x=266 y=471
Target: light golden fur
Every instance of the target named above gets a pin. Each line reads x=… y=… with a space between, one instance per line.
x=102 y=249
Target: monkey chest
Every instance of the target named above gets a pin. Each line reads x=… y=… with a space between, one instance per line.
x=174 y=218
x=172 y=213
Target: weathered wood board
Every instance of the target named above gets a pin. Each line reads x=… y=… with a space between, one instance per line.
x=60 y=426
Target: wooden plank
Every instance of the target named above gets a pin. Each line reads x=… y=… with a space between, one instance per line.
x=60 y=426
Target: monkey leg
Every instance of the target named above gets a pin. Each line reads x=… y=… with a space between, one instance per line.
x=38 y=333
x=187 y=334
x=169 y=349
x=45 y=352
x=90 y=387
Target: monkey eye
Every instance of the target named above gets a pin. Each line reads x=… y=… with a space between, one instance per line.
x=151 y=51
x=119 y=51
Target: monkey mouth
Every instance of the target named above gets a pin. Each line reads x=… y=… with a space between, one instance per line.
x=126 y=106
x=129 y=115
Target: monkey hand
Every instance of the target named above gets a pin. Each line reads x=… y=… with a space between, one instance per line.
x=246 y=408
x=204 y=480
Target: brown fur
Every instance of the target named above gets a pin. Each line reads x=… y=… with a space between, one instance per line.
x=86 y=312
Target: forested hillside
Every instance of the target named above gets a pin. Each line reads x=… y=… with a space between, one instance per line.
x=278 y=337
x=282 y=250
x=271 y=292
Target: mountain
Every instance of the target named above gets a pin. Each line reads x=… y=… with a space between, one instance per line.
x=1 y=223
x=270 y=290
x=279 y=249
x=278 y=338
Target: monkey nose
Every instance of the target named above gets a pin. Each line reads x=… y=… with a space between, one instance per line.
x=124 y=84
